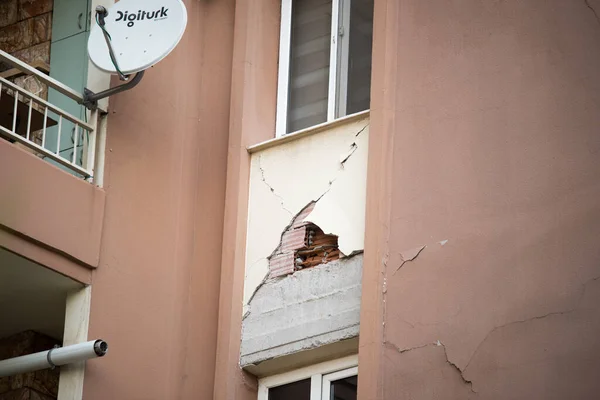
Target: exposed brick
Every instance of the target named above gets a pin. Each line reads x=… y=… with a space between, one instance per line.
x=299 y=220
x=303 y=245
x=293 y=239
x=33 y=8
x=321 y=249
x=8 y=12
x=281 y=264
x=17 y=36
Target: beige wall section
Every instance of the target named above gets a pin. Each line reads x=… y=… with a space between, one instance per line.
x=77 y=319
x=487 y=123
x=156 y=295
x=329 y=166
x=49 y=206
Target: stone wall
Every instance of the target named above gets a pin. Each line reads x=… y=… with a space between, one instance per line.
x=38 y=385
x=25 y=32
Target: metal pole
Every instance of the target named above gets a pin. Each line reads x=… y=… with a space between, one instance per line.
x=91 y=99
x=53 y=357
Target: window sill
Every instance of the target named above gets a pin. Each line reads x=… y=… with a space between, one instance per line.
x=307 y=132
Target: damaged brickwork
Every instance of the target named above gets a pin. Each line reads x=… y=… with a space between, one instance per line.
x=303 y=215
x=303 y=245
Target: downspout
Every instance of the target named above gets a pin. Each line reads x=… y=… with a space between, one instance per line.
x=53 y=357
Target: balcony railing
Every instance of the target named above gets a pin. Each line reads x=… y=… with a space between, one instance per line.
x=40 y=126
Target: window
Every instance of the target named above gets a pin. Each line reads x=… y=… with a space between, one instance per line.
x=332 y=380
x=324 y=61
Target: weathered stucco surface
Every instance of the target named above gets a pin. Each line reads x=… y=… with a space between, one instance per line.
x=302 y=311
x=328 y=167
x=486 y=153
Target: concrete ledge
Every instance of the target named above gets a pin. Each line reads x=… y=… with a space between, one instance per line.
x=307 y=310
x=305 y=358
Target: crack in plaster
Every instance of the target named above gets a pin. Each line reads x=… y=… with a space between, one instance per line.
x=437 y=344
x=353 y=147
x=413 y=324
x=254 y=263
x=262 y=282
x=588 y=5
x=550 y=314
x=409 y=255
x=271 y=188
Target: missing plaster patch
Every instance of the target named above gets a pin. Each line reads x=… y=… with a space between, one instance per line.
x=303 y=245
x=409 y=255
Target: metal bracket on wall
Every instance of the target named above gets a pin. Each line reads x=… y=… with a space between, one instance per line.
x=90 y=99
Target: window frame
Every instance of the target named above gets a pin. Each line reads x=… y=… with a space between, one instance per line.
x=318 y=373
x=338 y=57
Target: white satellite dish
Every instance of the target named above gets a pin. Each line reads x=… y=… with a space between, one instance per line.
x=142 y=32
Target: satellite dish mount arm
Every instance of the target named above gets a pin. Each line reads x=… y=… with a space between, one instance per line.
x=90 y=99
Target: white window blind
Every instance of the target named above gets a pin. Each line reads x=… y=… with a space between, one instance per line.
x=324 y=61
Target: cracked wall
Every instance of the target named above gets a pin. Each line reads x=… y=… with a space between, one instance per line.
x=487 y=271
x=328 y=168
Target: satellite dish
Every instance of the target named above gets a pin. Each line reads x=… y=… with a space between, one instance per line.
x=141 y=32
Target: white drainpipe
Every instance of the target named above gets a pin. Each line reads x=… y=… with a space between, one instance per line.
x=53 y=357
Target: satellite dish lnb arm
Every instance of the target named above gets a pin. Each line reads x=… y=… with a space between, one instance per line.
x=90 y=99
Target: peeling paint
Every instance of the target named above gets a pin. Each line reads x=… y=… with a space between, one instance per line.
x=409 y=255
x=443 y=242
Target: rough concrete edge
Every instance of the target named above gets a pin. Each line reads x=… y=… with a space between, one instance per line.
x=295 y=347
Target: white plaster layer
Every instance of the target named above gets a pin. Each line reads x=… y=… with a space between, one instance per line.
x=329 y=167
x=308 y=309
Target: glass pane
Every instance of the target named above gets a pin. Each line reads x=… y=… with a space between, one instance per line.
x=359 y=56
x=293 y=391
x=309 y=63
x=344 y=389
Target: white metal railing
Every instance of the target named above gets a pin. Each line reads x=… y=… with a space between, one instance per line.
x=39 y=125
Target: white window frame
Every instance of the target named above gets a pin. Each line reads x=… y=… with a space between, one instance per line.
x=338 y=56
x=321 y=375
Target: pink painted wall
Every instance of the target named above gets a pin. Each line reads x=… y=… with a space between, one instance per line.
x=484 y=148
x=155 y=295
x=51 y=209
